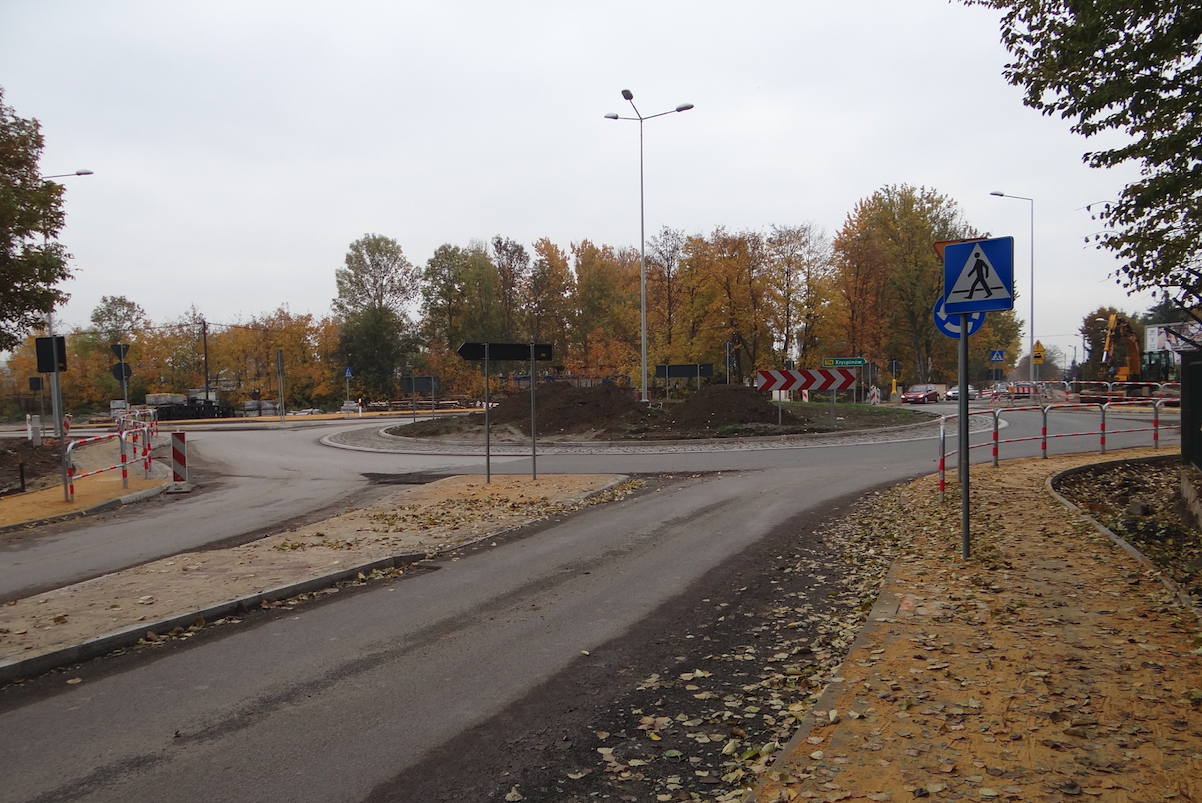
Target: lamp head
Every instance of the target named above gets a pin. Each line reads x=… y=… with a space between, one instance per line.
x=627 y=94
x=84 y=172
x=998 y=194
x=611 y=116
x=684 y=107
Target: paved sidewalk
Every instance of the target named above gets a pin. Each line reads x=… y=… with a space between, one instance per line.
x=1051 y=665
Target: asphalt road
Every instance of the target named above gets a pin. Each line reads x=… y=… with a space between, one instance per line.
x=249 y=480
x=331 y=701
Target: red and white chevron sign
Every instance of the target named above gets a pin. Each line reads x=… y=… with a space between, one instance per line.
x=811 y=379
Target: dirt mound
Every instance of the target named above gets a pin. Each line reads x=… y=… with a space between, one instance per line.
x=726 y=405
x=566 y=409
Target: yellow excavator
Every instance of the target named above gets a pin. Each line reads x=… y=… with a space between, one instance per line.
x=1119 y=328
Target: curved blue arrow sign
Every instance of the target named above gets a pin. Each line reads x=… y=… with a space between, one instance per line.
x=949 y=323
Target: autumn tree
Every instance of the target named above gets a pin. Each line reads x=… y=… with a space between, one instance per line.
x=548 y=299
x=798 y=282
x=664 y=296
x=481 y=294
x=725 y=277
x=32 y=262
x=116 y=319
x=603 y=300
x=373 y=289
x=512 y=263
x=1133 y=68
x=443 y=305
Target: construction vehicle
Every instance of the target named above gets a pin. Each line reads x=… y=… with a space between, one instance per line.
x=1119 y=328
x=1131 y=381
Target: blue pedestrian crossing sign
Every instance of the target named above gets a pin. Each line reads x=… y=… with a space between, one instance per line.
x=997 y=355
x=978 y=276
x=949 y=324
x=348 y=372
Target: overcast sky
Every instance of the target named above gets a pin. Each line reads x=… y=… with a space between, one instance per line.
x=240 y=147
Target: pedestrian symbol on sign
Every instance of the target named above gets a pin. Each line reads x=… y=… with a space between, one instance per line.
x=977 y=276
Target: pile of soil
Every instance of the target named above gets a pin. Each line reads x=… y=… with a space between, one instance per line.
x=566 y=409
x=41 y=464
x=718 y=406
x=615 y=413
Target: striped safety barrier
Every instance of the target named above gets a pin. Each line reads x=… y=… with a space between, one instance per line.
x=179 y=457
x=1043 y=437
x=72 y=476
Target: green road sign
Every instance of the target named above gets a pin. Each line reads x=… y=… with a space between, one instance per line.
x=843 y=362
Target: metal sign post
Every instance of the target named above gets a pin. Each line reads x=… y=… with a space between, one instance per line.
x=978 y=277
x=279 y=375
x=504 y=351
x=487 y=451
x=533 y=431
x=962 y=463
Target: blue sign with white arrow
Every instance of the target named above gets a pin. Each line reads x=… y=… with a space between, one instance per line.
x=950 y=324
x=978 y=276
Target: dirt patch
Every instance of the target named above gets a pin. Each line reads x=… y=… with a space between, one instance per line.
x=722 y=406
x=39 y=463
x=604 y=411
x=563 y=409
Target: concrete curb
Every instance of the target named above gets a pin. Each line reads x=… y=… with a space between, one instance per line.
x=103 y=645
x=127 y=637
x=475 y=449
x=887 y=608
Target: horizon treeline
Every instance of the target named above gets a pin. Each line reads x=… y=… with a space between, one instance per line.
x=790 y=292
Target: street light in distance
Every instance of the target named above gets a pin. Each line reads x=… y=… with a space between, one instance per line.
x=1031 y=323
x=684 y=107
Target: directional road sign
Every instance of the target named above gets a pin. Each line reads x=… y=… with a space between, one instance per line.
x=997 y=355
x=979 y=276
x=950 y=324
x=684 y=370
x=843 y=362
x=420 y=384
x=812 y=379
x=504 y=351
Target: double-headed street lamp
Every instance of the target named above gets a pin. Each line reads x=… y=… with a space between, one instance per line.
x=684 y=107
x=1030 y=323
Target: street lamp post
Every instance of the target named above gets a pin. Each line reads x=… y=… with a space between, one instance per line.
x=1031 y=323
x=56 y=391
x=684 y=107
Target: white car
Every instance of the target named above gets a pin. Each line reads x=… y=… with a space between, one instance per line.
x=953 y=393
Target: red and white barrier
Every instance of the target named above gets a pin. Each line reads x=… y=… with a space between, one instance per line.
x=72 y=476
x=179 y=457
x=1043 y=436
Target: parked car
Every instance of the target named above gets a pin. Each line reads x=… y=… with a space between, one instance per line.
x=953 y=393
x=920 y=394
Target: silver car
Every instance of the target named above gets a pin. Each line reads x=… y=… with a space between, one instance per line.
x=953 y=393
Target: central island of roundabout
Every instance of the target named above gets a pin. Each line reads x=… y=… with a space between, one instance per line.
x=604 y=419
